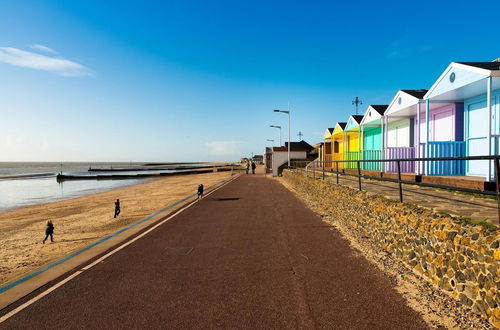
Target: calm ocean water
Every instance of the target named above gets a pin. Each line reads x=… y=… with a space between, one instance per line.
x=23 y=184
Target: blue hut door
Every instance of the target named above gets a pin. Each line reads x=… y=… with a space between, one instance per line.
x=477 y=136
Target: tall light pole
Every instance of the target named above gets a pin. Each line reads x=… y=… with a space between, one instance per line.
x=357 y=102
x=274 y=126
x=288 y=113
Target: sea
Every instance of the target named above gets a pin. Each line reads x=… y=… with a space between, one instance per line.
x=30 y=183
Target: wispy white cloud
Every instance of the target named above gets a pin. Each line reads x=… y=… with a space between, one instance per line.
x=58 y=65
x=224 y=148
x=43 y=48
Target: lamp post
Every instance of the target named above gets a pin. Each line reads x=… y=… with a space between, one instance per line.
x=288 y=113
x=275 y=126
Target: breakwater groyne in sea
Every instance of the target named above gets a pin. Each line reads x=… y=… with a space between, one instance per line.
x=117 y=174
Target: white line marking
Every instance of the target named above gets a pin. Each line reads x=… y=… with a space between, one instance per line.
x=40 y=296
x=72 y=276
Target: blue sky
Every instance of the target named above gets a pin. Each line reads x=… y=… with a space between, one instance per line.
x=197 y=80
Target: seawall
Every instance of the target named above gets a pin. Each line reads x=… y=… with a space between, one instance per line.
x=461 y=258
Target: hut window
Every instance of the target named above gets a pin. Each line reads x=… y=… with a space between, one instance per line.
x=336 y=147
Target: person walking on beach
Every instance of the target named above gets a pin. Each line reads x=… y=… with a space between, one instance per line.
x=200 y=191
x=247 y=167
x=253 y=167
x=117 y=208
x=49 y=231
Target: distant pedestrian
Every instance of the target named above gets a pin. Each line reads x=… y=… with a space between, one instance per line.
x=247 y=167
x=117 y=208
x=49 y=231
x=253 y=167
x=200 y=191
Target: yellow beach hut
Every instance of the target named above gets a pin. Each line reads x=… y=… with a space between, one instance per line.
x=338 y=139
x=353 y=141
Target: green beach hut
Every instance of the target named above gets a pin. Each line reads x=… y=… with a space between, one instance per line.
x=371 y=128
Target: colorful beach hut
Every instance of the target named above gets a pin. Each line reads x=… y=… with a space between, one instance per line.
x=326 y=149
x=338 y=140
x=371 y=131
x=353 y=141
x=477 y=86
x=399 y=124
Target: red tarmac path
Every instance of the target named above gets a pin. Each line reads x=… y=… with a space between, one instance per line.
x=250 y=255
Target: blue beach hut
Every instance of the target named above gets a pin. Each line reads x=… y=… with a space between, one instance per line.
x=477 y=85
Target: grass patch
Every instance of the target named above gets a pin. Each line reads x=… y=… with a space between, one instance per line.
x=486 y=224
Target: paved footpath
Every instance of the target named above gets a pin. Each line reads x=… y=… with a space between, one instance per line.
x=250 y=255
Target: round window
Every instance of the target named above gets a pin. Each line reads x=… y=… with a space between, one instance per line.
x=452 y=77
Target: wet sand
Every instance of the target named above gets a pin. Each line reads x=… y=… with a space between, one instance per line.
x=80 y=221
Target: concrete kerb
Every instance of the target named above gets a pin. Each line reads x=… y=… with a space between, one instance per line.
x=25 y=285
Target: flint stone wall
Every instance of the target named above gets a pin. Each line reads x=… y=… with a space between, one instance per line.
x=461 y=258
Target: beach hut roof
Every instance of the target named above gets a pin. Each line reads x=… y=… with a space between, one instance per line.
x=463 y=80
x=380 y=108
x=339 y=127
x=296 y=146
x=405 y=102
x=328 y=133
x=418 y=93
x=373 y=113
x=353 y=122
x=342 y=125
x=493 y=66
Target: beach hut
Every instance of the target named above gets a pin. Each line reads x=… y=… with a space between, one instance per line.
x=338 y=139
x=352 y=146
x=326 y=149
x=371 y=131
x=399 y=129
x=477 y=86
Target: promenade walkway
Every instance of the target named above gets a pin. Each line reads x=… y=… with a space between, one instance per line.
x=455 y=203
x=250 y=255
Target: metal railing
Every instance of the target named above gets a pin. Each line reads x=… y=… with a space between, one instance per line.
x=339 y=168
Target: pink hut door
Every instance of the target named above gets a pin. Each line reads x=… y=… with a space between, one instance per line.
x=443 y=125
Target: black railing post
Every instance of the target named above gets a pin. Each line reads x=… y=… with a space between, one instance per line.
x=497 y=181
x=337 y=165
x=399 y=182
x=359 y=175
x=323 y=168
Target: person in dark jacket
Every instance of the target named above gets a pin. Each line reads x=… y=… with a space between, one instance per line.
x=253 y=167
x=117 y=208
x=200 y=191
x=49 y=231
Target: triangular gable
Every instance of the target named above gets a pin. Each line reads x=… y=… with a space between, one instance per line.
x=455 y=76
x=401 y=101
x=339 y=128
x=370 y=116
x=328 y=133
x=352 y=124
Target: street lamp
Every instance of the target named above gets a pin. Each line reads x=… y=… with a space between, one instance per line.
x=288 y=113
x=274 y=126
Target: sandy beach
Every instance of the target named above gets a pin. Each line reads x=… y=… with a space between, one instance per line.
x=83 y=220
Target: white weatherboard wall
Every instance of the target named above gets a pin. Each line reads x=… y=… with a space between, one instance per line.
x=281 y=157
